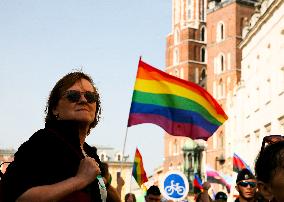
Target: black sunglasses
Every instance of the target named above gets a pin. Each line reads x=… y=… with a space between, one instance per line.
x=271 y=139
x=245 y=184
x=74 y=96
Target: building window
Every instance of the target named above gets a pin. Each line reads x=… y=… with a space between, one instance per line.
x=177 y=37
x=267 y=91
x=203 y=54
x=177 y=11
x=220 y=32
x=176 y=56
x=203 y=9
x=222 y=63
x=202 y=34
x=257 y=135
x=221 y=141
x=247 y=138
x=267 y=128
x=189 y=8
x=118 y=157
x=203 y=74
x=281 y=122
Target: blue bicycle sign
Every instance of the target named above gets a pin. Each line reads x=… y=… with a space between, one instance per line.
x=174 y=185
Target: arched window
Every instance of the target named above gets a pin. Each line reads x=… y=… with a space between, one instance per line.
x=203 y=74
x=176 y=56
x=189 y=8
x=203 y=54
x=222 y=63
x=118 y=157
x=177 y=37
x=202 y=33
x=220 y=32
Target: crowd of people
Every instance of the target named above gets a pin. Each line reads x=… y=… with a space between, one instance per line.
x=56 y=164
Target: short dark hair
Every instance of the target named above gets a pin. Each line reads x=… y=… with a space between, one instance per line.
x=61 y=86
x=221 y=196
x=154 y=190
x=268 y=160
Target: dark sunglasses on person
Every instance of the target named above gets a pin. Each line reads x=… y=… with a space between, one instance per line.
x=271 y=139
x=245 y=184
x=75 y=95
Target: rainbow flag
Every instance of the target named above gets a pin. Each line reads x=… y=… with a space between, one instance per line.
x=239 y=164
x=180 y=107
x=138 y=171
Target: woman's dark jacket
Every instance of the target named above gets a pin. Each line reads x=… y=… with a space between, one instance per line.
x=51 y=155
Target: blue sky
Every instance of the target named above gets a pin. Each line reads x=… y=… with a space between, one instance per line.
x=40 y=41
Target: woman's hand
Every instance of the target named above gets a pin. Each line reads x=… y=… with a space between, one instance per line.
x=88 y=170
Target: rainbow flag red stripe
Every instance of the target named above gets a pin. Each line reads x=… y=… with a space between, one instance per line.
x=180 y=107
x=138 y=171
x=239 y=164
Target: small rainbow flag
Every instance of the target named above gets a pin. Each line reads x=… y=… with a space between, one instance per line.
x=180 y=107
x=138 y=171
x=239 y=164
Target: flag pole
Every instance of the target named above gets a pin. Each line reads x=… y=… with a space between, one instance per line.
x=123 y=150
x=125 y=138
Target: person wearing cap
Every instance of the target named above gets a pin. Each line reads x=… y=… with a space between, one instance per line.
x=246 y=186
x=204 y=195
x=221 y=197
x=153 y=194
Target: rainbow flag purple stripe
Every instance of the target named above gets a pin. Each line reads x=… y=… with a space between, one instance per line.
x=180 y=107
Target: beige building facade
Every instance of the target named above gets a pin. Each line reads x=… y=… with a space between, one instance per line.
x=255 y=106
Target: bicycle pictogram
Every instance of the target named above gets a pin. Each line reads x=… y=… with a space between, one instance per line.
x=170 y=189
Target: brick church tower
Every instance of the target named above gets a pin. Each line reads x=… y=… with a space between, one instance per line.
x=225 y=20
x=186 y=59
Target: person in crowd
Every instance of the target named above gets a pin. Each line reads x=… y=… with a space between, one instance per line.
x=204 y=195
x=130 y=197
x=114 y=194
x=56 y=164
x=153 y=194
x=221 y=197
x=246 y=186
x=269 y=168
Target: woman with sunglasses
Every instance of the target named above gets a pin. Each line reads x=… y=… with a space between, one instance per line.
x=56 y=164
x=269 y=168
